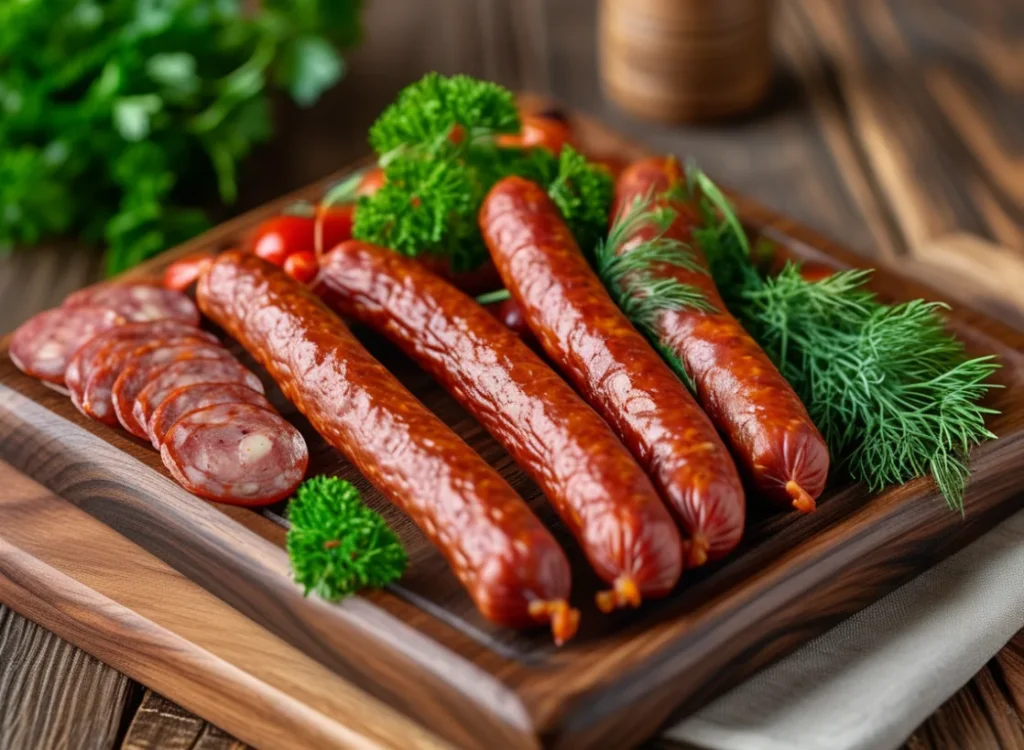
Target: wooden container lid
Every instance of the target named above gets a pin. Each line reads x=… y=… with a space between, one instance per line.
x=686 y=60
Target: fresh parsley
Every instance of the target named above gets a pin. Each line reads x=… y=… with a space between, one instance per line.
x=118 y=119
x=438 y=146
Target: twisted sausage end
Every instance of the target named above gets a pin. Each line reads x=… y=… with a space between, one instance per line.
x=801 y=500
x=565 y=620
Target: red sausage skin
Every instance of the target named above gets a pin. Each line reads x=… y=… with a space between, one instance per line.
x=510 y=564
x=766 y=425
x=613 y=366
x=596 y=486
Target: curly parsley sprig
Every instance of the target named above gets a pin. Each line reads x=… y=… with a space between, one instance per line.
x=893 y=393
x=438 y=146
x=337 y=545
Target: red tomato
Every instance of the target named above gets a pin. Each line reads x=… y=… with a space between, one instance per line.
x=333 y=226
x=182 y=274
x=372 y=181
x=277 y=238
x=302 y=266
x=541 y=131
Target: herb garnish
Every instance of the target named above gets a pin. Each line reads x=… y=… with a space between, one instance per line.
x=120 y=119
x=337 y=545
x=437 y=145
x=640 y=279
x=893 y=393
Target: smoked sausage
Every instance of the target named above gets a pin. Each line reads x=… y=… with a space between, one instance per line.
x=590 y=478
x=510 y=564
x=611 y=364
x=768 y=428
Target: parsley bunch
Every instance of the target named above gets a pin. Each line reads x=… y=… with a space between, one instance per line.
x=438 y=146
x=119 y=118
x=337 y=545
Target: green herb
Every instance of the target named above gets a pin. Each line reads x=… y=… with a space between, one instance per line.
x=119 y=119
x=437 y=144
x=640 y=281
x=893 y=393
x=338 y=545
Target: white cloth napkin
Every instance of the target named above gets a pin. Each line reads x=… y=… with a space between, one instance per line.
x=872 y=680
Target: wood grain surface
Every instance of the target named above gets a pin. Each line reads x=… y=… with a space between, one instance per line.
x=809 y=152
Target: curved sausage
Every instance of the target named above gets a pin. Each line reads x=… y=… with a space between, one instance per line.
x=612 y=365
x=510 y=564
x=599 y=491
x=238 y=454
x=753 y=406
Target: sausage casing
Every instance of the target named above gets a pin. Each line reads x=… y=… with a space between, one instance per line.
x=613 y=366
x=594 y=483
x=762 y=418
x=510 y=564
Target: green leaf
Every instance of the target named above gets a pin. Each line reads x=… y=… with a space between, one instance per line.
x=175 y=71
x=133 y=115
x=314 y=67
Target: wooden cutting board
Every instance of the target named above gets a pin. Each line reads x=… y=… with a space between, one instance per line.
x=420 y=647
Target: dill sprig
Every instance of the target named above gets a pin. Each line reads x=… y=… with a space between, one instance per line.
x=894 y=394
x=337 y=545
x=637 y=279
x=438 y=146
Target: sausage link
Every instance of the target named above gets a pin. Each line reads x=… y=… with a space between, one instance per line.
x=600 y=492
x=512 y=567
x=762 y=418
x=613 y=366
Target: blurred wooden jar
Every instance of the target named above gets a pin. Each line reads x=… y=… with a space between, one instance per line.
x=686 y=60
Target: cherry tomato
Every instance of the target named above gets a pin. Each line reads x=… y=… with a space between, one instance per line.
x=541 y=131
x=302 y=266
x=182 y=274
x=277 y=238
x=371 y=182
x=333 y=226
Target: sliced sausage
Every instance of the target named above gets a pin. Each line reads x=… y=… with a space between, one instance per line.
x=752 y=405
x=613 y=366
x=510 y=564
x=141 y=365
x=97 y=396
x=80 y=367
x=190 y=398
x=43 y=345
x=138 y=302
x=188 y=372
x=598 y=489
x=236 y=453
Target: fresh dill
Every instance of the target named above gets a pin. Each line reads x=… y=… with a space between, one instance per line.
x=894 y=394
x=639 y=278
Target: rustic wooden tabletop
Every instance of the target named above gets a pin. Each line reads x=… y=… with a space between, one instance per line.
x=893 y=126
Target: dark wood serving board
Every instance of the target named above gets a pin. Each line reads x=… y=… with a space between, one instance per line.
x=421 y=648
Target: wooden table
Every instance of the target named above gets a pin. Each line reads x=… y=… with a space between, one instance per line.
x=894 y=126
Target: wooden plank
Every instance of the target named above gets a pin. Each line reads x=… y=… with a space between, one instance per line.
x=160 y=724
x=52 y=695
x=67 y=571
